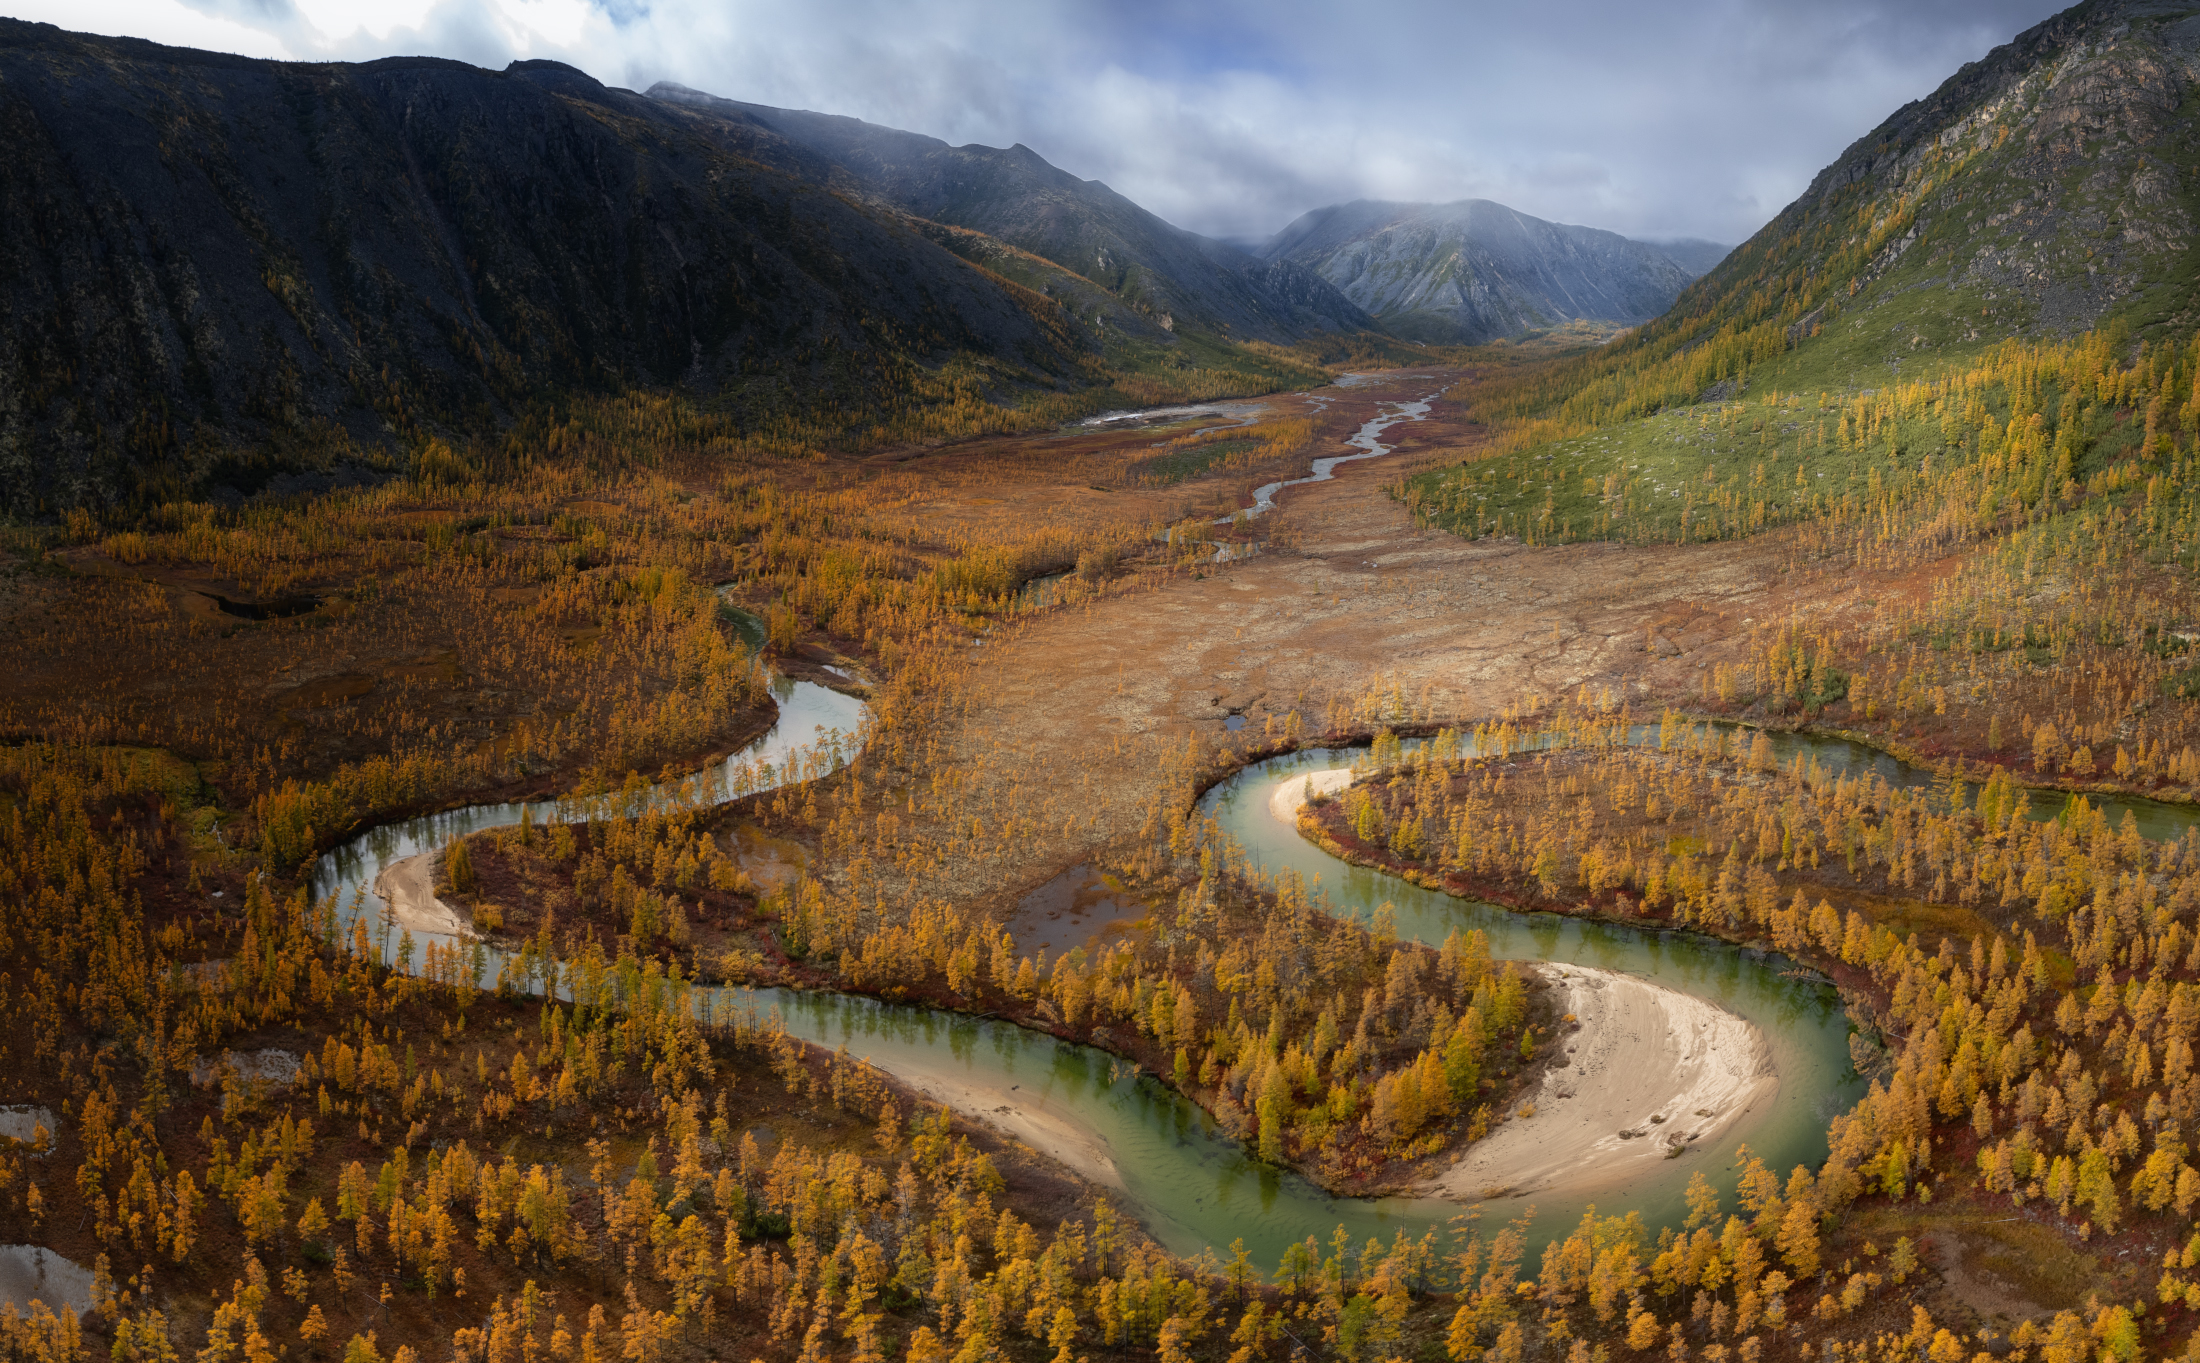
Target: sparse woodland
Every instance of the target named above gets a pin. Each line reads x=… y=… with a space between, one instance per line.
x=458 y=1171
x=275 y=1132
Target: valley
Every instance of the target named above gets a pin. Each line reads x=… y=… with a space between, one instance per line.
x=856 y=749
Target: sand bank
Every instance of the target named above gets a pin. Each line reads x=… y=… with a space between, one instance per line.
x=408 y=887
x=31 y=1273
x=1285 y=799
x=1018 y=1111
x=1653 y=1073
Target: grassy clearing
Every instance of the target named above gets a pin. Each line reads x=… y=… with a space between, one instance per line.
x=1729 y=469
x=1166 y=470
x=1707 y=472
x=2034 y=1259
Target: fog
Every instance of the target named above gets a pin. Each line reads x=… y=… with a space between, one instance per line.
x=1234 y=117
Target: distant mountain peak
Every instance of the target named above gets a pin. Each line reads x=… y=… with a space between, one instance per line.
x=1475 y=270
x=1019 y=198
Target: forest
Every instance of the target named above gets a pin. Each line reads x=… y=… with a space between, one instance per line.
x=263 y=1124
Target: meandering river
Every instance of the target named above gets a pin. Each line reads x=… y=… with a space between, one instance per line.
x=1189 y=1184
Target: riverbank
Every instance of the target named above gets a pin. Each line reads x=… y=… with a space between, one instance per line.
x=1015 y=1112
x=1652 y=1074
x=408 y=887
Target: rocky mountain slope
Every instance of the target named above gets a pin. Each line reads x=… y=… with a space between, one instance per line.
x=1178 y=280
x=1474 y=271
x=1693 y=254
x=2048 y=188
x=210 y=259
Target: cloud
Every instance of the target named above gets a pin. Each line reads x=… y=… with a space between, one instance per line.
x=1235 y=116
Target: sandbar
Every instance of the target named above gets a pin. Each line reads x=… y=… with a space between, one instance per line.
x=408 y=887
x=1285 y=799
x=1018 y=1111
x=1651 y=1074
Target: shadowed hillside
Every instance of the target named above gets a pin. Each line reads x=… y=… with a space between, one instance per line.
x=209 y=254
x=1178 y=279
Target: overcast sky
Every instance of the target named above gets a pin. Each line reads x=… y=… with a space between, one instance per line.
x=1231 y=117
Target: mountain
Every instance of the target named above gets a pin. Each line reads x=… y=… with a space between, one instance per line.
x=1475 y=271
x=1693 y=254
x=211 y=261
x=2044 y=190
x=1179 y=279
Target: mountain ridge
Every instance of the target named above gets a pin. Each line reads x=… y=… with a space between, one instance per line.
x=1474 y=270
x=2045 y=189
x=219 y=258
x=1013 y=194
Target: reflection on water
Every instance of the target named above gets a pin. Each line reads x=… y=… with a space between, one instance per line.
x=747 y=625
x=2158 y=820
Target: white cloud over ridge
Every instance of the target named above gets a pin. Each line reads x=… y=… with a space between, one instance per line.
x=1233 y=117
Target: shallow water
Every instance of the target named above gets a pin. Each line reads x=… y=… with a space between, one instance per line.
x=1367 y=441
x=1189 y=1184
x=818 y=731
x=1075 y=909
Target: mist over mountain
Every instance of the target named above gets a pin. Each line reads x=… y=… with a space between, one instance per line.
x=218 y=262
x=2042 y=191
x=1693 y=254
x=208 y=253
x=1013 y=195
x=1475 y=271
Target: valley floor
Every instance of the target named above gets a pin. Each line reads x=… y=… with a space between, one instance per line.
x=1348 y=597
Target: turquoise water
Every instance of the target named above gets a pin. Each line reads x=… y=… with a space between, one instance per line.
x=1189 y=1184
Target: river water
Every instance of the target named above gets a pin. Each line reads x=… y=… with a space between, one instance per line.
x=818 y=731
x=1368 y=441
x=1190 y=1185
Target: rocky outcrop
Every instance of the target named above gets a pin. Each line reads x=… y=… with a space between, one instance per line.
x=2042 y=190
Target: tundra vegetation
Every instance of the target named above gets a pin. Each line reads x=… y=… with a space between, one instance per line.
x=573 y=1160
x=2027 y=987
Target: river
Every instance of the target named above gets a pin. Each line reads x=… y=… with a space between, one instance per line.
x=1189 y=1184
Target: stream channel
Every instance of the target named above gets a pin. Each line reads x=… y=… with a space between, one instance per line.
x=1192 y=1186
